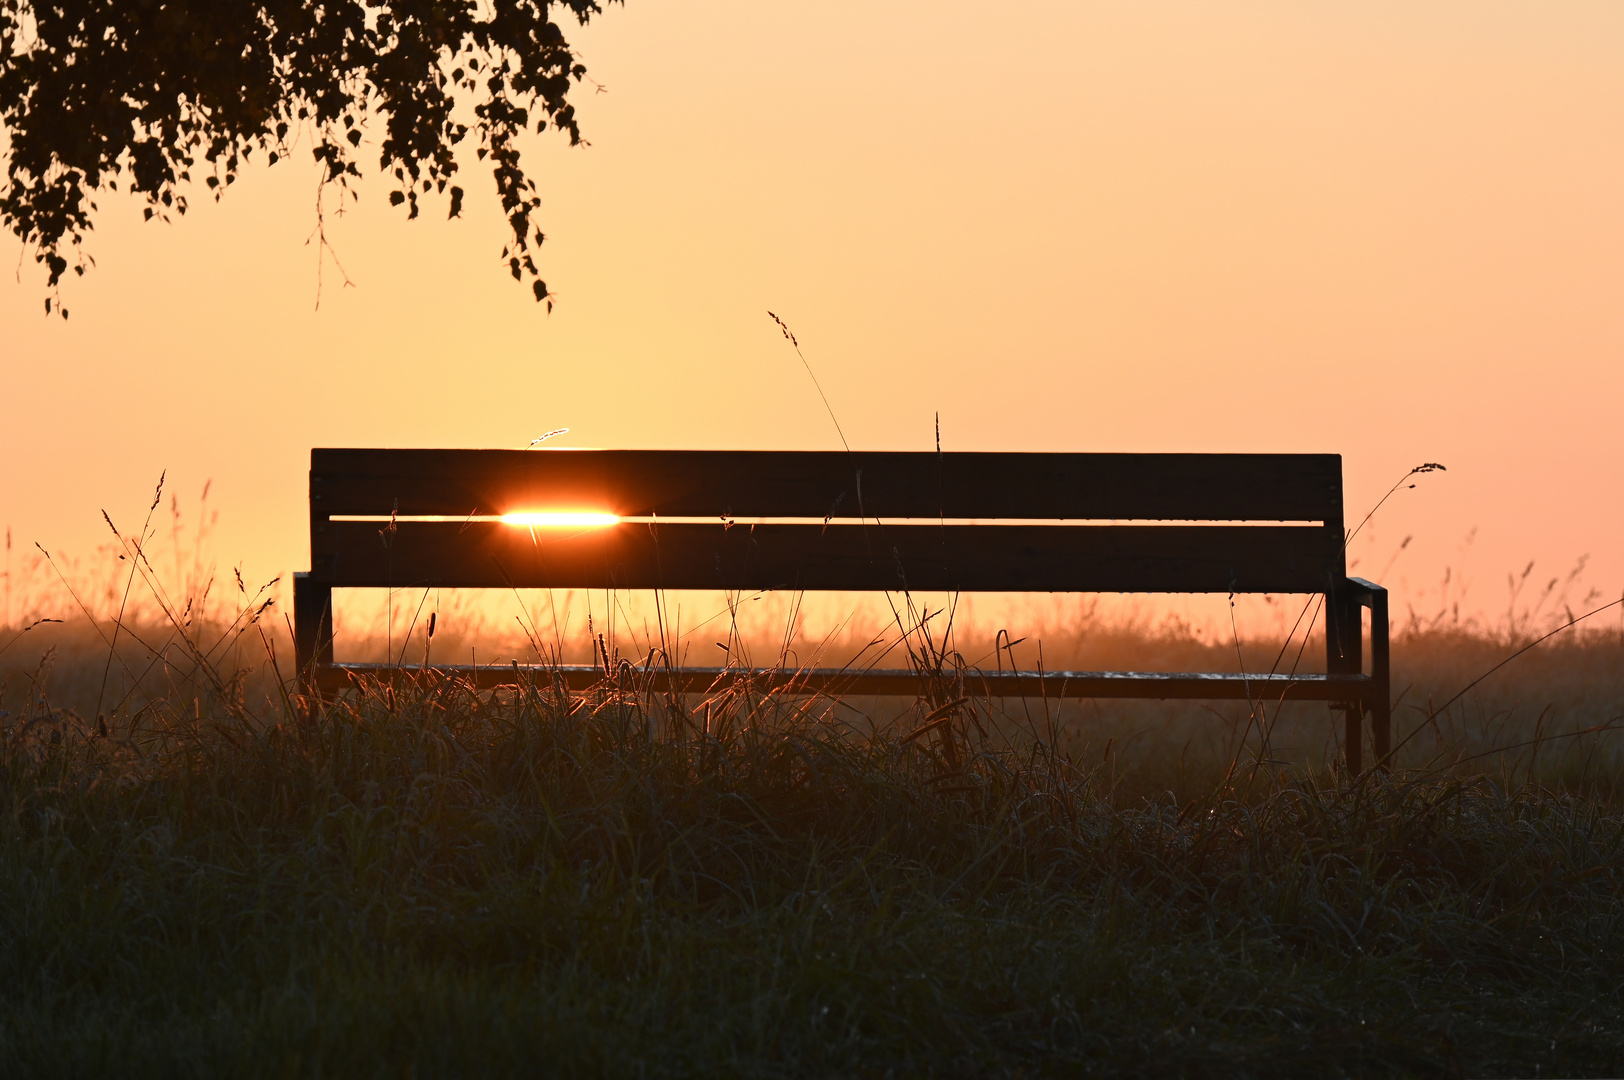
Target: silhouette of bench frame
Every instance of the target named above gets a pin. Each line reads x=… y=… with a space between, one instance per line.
x=924 y=522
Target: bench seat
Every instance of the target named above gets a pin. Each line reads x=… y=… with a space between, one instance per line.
x=1163 y=685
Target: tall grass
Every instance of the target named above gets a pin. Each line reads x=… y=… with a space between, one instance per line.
x=432 y=881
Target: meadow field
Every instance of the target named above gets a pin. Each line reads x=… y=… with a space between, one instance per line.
x=199 y=876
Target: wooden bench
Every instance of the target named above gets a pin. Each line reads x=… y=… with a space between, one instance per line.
x=925 y=522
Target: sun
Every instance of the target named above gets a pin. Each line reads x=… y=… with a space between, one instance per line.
x=560 y=519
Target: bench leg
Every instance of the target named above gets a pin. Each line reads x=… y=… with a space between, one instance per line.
x=1381 y=706
x=1353 y=737
x=1381 y=734
x=312 y=632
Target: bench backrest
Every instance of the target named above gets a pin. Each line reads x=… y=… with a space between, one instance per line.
x=815 y=520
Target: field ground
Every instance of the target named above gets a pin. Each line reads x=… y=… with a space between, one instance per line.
x=425 y=882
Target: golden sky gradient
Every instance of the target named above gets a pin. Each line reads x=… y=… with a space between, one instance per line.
x=1389 y=230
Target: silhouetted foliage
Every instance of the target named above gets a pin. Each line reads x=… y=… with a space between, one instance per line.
x=157 y=94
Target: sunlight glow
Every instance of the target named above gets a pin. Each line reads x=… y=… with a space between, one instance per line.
x=569 y=518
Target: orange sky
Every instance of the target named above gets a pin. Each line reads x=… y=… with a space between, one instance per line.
x=1389 y=230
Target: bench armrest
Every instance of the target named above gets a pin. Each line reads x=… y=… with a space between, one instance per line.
x=1366 y=591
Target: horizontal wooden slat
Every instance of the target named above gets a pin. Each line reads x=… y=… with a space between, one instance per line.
x=1000 y=558
x=901 y=683
x=695 y=483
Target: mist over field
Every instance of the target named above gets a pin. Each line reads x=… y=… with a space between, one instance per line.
x=1505 y=695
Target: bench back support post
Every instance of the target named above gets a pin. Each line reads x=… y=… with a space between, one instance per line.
x=312 y=629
